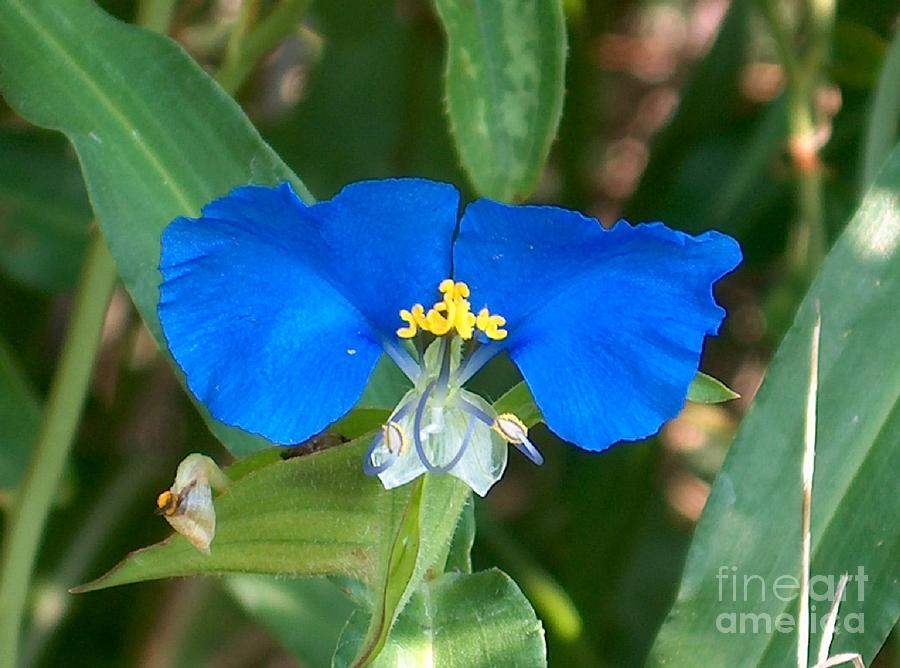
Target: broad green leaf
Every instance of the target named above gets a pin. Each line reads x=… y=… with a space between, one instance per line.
x=751 y=525
x=505 y=85
x=156 y=137
x=461 y=620
x=20 y=419
x=311 y=515
x=708 y=390
x=306 y=615
x=319 y=514
x=44 y=211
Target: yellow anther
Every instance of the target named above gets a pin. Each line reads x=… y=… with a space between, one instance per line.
x=415 y=319
x=491 y=324
x=410 y=330
x=418 y=312
x=167 y=503
x=465 y=324
x=441 y=324
x=452 y=313
x=510 y=428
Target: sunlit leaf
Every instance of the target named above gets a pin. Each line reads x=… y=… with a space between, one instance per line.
x=309 y=515
x=319 y=514
x=421 y=549
x=460 y=620
x=751 y=525
x=505 y=70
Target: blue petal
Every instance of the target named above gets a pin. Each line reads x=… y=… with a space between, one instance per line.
x=275 y=311
x=607 y=326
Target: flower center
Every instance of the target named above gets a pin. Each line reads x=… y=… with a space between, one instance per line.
x=453 y=313
x=438 y=426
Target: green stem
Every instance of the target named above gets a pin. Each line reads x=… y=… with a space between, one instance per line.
x=247 y=46
x=64 y=404
x=808 y=243
x=784 y=42
x=804 y=72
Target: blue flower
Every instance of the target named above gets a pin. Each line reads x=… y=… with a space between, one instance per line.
x=278 y=312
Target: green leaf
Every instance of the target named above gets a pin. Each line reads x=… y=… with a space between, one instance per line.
x=505 y=85
x=44 y=211
x=20 y=419
x=319 y=514
x=459 y=558
x=708 y=390
x=751 y=524
x=420 y=550
x=306 y=615
x=156 y=137
x=460 y=620
x=311 y=515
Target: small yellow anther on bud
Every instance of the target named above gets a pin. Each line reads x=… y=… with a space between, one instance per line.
x=167 y=503
x=510 y=428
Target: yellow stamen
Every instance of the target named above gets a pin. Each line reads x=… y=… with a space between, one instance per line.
x=418 y=312
x=491 y=324
x=167 y=503
x=453 y=313
x=409 y=331
x=415 y=319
